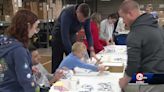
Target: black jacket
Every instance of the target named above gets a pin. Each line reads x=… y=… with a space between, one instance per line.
x=145 y=44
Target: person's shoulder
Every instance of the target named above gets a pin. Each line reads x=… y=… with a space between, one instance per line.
x=20 y=51
x=69 y=10
x=104 y=21
x=70 y=56
x=20 y=48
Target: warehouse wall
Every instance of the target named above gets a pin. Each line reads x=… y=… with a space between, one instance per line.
x=107 y=7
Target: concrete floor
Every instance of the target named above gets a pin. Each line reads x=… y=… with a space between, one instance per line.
x=45 y=54
x=45 y=51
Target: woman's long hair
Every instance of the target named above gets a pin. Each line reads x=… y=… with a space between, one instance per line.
x=19 y=26
x=96 y=17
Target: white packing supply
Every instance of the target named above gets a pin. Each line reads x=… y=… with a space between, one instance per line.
x=81 y=70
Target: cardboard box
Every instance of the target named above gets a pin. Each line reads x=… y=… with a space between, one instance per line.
x=45 y=15
x=34 y=7
x=114 y=67
x=40 y=11
x=15 y=6
x=27 y=5
x=2 y=17
x=50 y=14
x=50 y=3
x=54 y=12
x=57 y=8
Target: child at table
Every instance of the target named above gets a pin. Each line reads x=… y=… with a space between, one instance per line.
x=74 y=59
x=41 y=75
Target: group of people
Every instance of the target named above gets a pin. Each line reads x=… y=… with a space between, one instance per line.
x=21 y=68
x=18 y=64
x=72 y=19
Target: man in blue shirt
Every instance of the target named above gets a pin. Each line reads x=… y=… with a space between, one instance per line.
x=70 y=21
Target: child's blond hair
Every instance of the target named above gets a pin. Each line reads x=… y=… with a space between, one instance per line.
x=78 y=47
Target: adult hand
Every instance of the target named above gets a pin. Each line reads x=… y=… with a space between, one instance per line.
x=123 y=82
x=92 y=54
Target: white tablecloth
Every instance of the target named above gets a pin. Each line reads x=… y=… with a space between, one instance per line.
x=96 y=81
x=93 y=83
x=113 y=54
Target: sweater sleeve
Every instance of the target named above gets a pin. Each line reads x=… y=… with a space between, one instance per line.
x=134 y=54
x=102 y=30
x=81 y=64
x=23 y=69
x=65 y=26
x=88 y=32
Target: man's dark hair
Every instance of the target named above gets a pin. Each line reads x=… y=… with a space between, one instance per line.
x=113 y=16
x=84 y=9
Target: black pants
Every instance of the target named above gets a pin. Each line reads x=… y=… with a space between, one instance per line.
x=57 y=53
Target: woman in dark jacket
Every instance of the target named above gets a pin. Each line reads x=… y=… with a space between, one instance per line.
x=15 y=59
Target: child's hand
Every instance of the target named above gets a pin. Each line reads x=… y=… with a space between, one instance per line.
x=58 y=74
x=35 y=70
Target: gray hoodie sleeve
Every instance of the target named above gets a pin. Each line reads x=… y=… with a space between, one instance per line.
x=134 y=53
x=23 y=69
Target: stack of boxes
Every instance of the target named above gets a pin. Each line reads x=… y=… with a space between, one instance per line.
x=6 y=10
x=45 y=10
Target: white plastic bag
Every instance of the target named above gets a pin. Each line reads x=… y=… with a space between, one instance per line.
x=40 y=77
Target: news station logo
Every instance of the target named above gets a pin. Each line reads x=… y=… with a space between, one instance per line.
x=140 y=78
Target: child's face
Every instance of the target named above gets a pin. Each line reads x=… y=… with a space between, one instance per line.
x=35 y=57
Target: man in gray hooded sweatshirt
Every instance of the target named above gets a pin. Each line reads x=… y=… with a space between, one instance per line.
x=145 y=45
